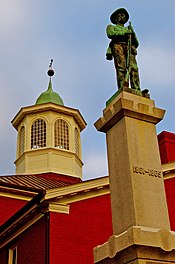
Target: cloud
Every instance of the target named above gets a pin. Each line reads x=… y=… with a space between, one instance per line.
x=157 y=65
x=12 y=15
x=95 y=165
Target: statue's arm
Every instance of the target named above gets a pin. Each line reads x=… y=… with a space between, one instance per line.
x=134 y=37
x=135 y=40
x=112 y=32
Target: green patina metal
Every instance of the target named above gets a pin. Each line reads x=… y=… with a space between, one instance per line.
x=49 y=96
x=123 y=49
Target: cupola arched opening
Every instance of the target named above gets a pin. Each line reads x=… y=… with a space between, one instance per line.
x=21 y=140
x=77 y=144
x=38 y=134
x=61 y=132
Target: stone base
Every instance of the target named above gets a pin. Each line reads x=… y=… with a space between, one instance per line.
x=138 y=245
x=144 y=93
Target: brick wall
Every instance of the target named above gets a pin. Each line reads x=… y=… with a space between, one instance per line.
x=8 y=207
x=3 y=256
x=166 y=142
x=170 y=195
x=31 y=245
x=73 y=236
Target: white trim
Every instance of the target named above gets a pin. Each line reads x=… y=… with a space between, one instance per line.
x=11 y=255
x=21 y=230
x=84 y=196
x=75 y=188
x=168 y=170
x=59 y=208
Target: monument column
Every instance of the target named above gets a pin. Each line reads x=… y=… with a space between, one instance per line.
x=139 y=209
x=137 y=188
x=141 y=229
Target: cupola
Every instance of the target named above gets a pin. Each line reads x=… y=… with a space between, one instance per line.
x=49 y=136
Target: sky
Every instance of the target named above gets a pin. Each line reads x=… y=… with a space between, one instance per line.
x=73 y=34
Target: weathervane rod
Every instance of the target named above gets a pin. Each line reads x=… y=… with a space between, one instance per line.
x=51 y=62
x=50 y=72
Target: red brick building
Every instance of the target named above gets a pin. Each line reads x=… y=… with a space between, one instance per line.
x=166 y=142
x=55 y=225
x=48 y=215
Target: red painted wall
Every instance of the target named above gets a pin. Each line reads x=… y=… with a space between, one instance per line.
x=75 y=235
x=3 y=256
x=8 y=207
x=166 y=142
x=31 y=245
x=170 y=195
x=59 y=177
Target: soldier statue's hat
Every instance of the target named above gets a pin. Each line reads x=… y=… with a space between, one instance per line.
x=119 y=11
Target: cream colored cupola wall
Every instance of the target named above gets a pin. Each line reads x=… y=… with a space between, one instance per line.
x=49 y=136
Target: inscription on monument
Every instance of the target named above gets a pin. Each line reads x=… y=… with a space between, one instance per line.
x=149 y=172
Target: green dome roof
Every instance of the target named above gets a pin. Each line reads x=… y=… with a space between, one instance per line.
x=49 y=96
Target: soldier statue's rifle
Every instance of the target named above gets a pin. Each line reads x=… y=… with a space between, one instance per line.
x=128 y=58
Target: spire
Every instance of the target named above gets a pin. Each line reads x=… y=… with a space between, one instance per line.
x=50 y=96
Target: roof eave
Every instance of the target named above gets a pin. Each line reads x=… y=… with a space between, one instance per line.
x=45 y=107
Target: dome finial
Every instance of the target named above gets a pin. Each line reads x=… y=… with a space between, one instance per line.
x=50 y=96
x=50 y=71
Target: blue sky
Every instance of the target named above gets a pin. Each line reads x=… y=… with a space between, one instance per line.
x=73 y=34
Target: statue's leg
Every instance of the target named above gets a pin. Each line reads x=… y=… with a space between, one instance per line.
x=119 y=51
x=134 y=74
x=120 y=78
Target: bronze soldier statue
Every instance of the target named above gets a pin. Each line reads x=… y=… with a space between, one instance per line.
x=123 y=49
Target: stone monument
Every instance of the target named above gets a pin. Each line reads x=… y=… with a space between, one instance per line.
x=141 y=229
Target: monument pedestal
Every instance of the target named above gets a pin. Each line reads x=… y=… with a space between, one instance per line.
x=138 y=245
x=139 y=209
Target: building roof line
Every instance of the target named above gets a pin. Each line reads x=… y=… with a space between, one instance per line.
x=19 y=188
x=26 y=208
x=49 y=106
x=77 y=188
